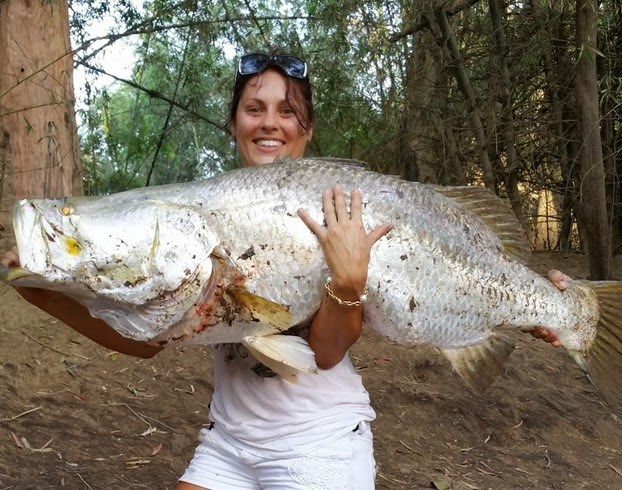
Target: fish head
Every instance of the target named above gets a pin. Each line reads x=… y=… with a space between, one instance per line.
x=130 y=253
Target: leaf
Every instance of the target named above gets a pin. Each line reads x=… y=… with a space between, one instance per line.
x=135 y=462
x=441 y=484
x=18 y=443
x=156 y=449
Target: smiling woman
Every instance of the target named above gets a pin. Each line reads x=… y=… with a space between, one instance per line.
x=265 y=431
x=271 y=112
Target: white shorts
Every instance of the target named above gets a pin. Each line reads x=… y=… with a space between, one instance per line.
x=346 y=464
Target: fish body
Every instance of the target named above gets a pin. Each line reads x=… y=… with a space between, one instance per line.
x=229 y=260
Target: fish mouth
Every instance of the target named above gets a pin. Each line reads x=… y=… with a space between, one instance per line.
x=30 y=234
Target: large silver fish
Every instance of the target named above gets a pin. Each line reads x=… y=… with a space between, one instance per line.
x=229 y=260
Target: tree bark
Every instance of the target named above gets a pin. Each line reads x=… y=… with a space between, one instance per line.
x=593 y=198
x=507 y=118
x=40 y=150
x=465 y=86
x=421 y=118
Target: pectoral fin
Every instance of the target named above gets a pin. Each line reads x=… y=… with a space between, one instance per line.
x=478 y=365
x=286 y=355
x=262 y=310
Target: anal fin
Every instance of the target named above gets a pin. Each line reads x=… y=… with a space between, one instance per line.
x=286 y=355
x=478 y=365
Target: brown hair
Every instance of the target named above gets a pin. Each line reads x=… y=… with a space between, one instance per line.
x=299 y=95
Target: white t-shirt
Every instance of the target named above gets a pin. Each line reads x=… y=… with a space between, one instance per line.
x=271 y=417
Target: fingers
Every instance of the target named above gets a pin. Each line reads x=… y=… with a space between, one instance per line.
x=356 y=205
x=328 y=206
x=340 y=203
x=336 y=211
x=10 y=258
x=559 y=279
x=546 y=335
x=313 y=225
x=377 y=233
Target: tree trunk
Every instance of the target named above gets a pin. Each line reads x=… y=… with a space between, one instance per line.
x=421 y=118
x=38 y=137
x=593 y=198
x=464 y=83
x=507 y=118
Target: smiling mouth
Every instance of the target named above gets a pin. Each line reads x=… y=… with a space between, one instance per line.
x=269 y=143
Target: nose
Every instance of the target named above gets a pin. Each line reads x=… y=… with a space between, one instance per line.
x=270 y=120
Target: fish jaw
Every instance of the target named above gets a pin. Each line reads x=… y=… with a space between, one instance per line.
x=32 y=246
x=13 y=274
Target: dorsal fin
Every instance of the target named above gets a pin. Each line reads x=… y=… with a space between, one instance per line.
x=495 y=213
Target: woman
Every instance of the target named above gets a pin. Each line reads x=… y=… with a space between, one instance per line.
x=266 y=432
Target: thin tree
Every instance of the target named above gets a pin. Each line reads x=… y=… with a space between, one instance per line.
x=593 y=197
x=39 y=150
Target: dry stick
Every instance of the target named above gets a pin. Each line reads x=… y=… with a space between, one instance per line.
x=83 y=481
x=394 y=480
x=140 y=416
x=52 y=348
x=9 y=419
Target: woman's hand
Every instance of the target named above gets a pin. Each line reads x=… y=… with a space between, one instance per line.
x=346 y=246
x=561 y=282
x=345 y=242
x=10 y=258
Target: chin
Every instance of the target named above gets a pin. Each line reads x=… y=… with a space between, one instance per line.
x=264 y=159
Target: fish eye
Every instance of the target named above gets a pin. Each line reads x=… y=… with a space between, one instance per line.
x=66 y=210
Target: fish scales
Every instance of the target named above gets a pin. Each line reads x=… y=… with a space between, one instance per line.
x=447 y=275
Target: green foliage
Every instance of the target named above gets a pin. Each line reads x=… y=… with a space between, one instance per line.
x=385 y=88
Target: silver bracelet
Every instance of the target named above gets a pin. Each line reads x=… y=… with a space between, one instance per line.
x=344 y=302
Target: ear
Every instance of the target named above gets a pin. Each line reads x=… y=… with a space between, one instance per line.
x=309 y=133
x=232 y=129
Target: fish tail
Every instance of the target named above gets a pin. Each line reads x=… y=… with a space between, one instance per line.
x=286 y=355
x=602 y=360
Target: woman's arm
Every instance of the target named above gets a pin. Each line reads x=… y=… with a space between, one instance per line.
x=78 y=317
x=347 y=246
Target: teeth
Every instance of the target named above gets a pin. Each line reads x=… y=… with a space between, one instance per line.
x=269 y=143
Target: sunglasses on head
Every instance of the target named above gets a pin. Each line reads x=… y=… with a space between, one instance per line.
x=251 y=64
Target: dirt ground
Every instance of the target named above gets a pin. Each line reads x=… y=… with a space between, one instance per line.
x=74 y=415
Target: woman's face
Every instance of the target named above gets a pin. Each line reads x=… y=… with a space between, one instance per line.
x=265 y=124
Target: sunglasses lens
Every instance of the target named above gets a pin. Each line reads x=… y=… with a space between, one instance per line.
x=293 y=66
x=255 y=63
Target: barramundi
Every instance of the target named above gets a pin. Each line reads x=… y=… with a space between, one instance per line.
x=228 y=260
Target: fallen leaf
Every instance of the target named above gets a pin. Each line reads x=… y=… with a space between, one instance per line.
x=135 y=462
x=18 y=443
x=156 y=449
x=441 y=484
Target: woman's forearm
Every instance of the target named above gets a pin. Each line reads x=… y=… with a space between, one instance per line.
x=78 y=318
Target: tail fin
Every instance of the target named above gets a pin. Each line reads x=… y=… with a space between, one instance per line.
x=602 y=362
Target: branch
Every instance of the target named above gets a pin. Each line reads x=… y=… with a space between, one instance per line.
x=146 y=28
x=155 y=94
x=424 y=22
